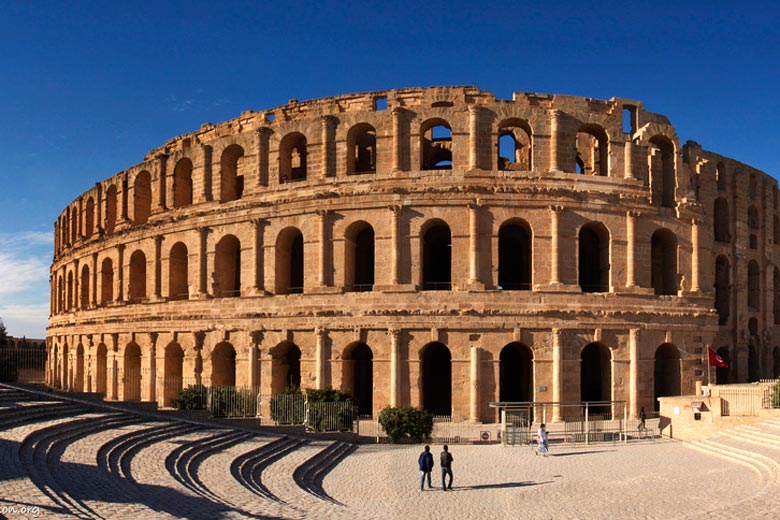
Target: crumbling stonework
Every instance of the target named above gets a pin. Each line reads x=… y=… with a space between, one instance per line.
x=434 y=247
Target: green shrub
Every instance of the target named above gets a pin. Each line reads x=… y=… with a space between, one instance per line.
x=227 y=401
x=326 y=395
x=774 y=396
x=406 y=422
x=288 y=407
x=191 y=398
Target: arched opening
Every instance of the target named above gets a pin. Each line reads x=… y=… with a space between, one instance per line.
x=178 y=269
x=289 y=262
x=754 y=286
x=285 y=367
x=292 y=158
x=101 y=369
x=722 y=373
x=666 y=372
x=78 y=383
x=721 y=220
x=227 y=267
x=596 y=376
x=142 y=198
x=137 y=288
x=89 y=218
x=65 y=368
x=223 y=365
x=753 y=224
x=776 y=362
x=361 y=149
x=720 y=175
x=436 y=371
x=514 y=145
x=592 y=150
x=358 y=376
x=663 y=257
x=69 y=301
x=74 y=225
x=60 y=295
x=722 y=289
x=182 y=183
x=131 y=378
x=514 y=256
x=106 y=281
x=662 y=171
x=231 y=174
x=516 y=374
x=84 y=288
x=110 y=209
x=436 y=145
x=437 y=258
x=754 y=361
x=172 y=372
x=593 y=263
x=359 y=257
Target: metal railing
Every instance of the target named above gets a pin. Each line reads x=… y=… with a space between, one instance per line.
x=437 y=286
x=295 y=409
x=22 y=365
x=747 y=400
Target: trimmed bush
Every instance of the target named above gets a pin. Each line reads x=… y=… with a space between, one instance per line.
x=288 y=407
x=191 y=398
x=227 y=401
x=406 y=421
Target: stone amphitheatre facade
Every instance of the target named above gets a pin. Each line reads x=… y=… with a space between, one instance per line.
x=433 y=247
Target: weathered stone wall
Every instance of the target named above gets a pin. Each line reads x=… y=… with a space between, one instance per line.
x=237 y=194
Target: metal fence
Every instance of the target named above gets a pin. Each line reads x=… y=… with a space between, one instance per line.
x=748 y=400
x=295 y=409
x=22 y=365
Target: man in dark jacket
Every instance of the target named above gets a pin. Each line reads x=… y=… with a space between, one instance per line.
x=426 y=466
x=446 y=468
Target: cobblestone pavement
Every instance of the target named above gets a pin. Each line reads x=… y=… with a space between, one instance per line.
x=60 y=459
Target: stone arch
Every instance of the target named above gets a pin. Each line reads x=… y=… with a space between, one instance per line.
x=358 y=375
x=285 y=367
x=720 y=176
x=436 y=242
x=142 y=198
x=663 y=258
x=89 y=218
x=593 y=257
x=753 y=226
x=722 y=373
x=596 y=375
x=70 y=295
x=137 y=290
x=662 y=171
x=84 y=286
x=173 y=370
x=111 y=203
x=182 y=183
x=78 y=376
x=223 y=365
x=231 y=185
x=361 y=149
x=754 y=286
x=178 y=272
x=101 y=369
x=592 y=144
x=65 y=368
x=227 y=267
x=289 y=261
x=436 y=378
x=514 y=145
x=516 y=373
x=721 y=220
x=515 y=255
x=359 y=257
x=60 y=294
x=666 y=372
x=106 y=281
x=292 y=157
x=722 y=289
x=436 y=145
x=131 y=377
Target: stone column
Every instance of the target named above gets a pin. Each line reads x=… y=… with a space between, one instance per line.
x=631 y=217
x=162 y=163
x=120 y=268
x=98 y=218
x=557 y=374
x=555 y=274
x=158 y=267
x=151 y=383
x=322 y=338
x=695 y=286
x=202 y=262
x=473 y=137
x=395 y=246
x=398 y=114
x=259 y=274
x=633 y=376
x=113 y=369
x=475 y=384
x=323 y=235
x=554 y=129
x=93 y=292
x=473 y=243
x=327 y=124
x=200 y=337
x=263 y=150
x=253 y=374
x=76 y=285
x=628 y=160
x=395 y=367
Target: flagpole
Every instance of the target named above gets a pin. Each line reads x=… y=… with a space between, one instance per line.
x=708 y=367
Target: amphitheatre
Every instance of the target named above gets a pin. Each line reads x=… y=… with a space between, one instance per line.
x=433 y=247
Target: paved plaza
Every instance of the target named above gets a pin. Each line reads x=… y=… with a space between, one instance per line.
x=65 y=459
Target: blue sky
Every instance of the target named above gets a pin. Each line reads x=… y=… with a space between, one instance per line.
x=89 y=87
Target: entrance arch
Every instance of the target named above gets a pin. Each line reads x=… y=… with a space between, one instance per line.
x=285 y=367
x=666 y=372
x=436 y=372
x=101 y=369
x=78 y=384
x=358 y=376
x=223 y=365
x=596 y=374
x=516 y=373
x=172 y=372
x=132 y=373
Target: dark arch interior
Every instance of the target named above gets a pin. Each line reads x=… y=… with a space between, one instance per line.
x=514 y=258
x=667 y=372
x=595 y=375
x=364 y=259
x=363 y=378
x=722 y=373
x=592 y=271
x=437 y=259
x=296 y=264
x=437 y=379
x=515 y=374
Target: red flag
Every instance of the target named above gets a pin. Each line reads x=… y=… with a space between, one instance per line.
x=716 y=360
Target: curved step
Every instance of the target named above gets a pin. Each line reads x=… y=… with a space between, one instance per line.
x=310 y=475
x=38 y=413
x=248 y=468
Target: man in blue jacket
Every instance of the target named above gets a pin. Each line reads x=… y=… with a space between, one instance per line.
x=426 y=466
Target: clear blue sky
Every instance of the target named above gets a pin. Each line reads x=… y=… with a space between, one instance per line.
x=89 y=87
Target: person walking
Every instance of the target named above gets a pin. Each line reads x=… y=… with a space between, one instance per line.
x=425 y=461
x=541 y=436
x=446 y=468
x=642 y=418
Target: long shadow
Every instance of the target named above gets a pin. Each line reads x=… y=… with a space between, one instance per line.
x=572 y=453
x=501 y=485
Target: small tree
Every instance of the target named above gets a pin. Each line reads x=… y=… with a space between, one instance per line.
x=288 y=407
x=406 y=422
